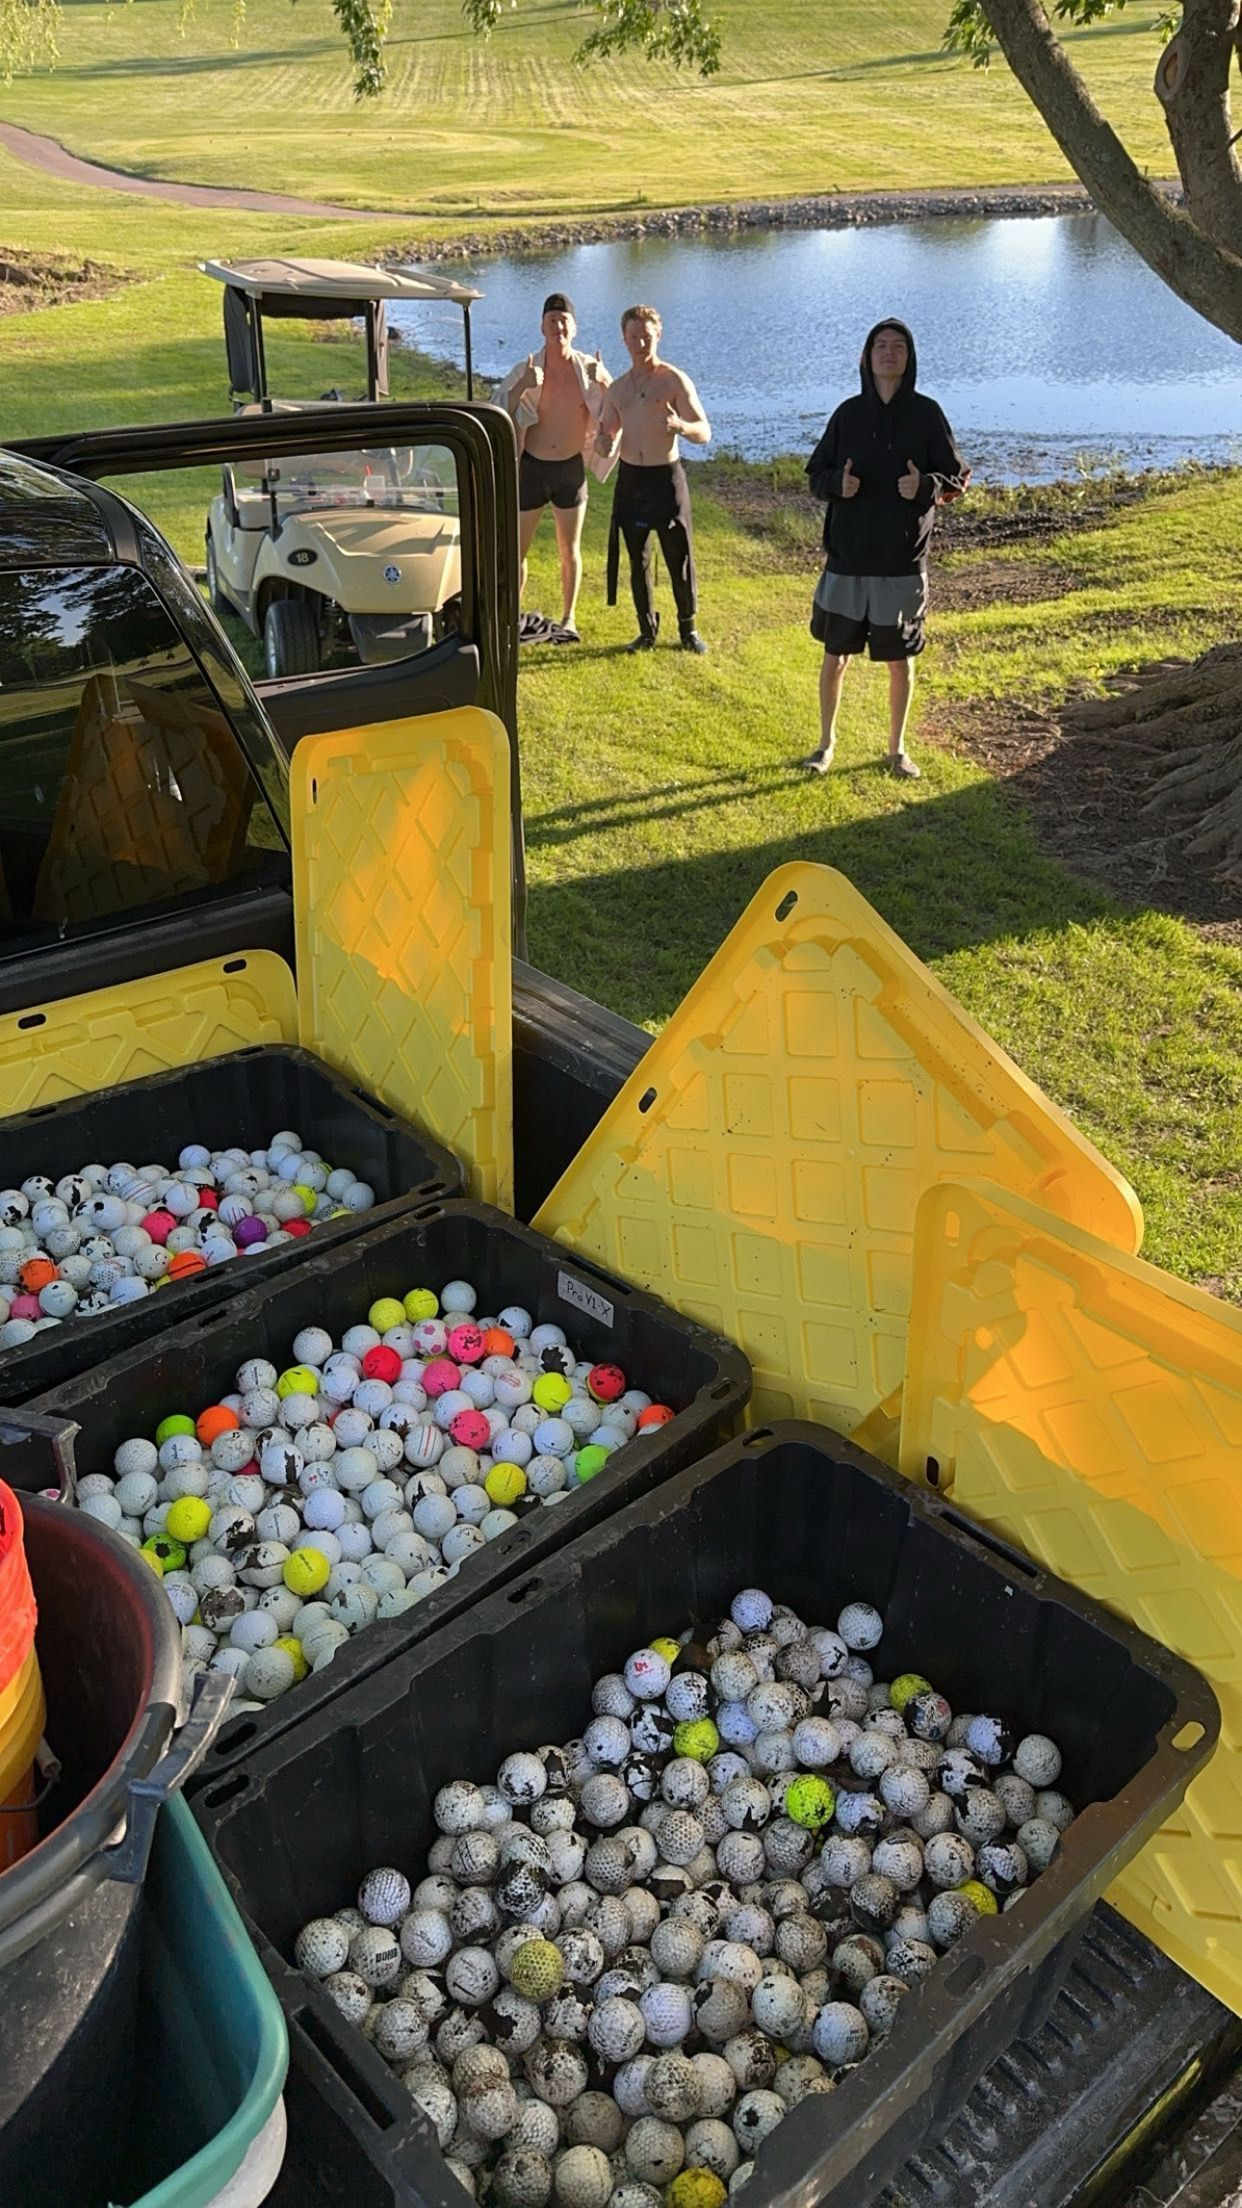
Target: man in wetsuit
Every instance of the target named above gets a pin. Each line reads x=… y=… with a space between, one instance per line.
x=555 y=398
x=646 y=410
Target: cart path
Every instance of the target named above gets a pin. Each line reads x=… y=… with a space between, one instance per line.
x=55 y=160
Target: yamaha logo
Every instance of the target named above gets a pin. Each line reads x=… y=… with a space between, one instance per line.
x=392 y=574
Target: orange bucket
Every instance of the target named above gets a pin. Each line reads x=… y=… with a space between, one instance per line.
x=22 y=1710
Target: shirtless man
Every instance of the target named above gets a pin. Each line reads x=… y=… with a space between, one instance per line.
x=555 y=398
x=646 y=410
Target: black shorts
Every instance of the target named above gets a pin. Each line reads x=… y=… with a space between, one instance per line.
x=883 y=615
x=551 y=482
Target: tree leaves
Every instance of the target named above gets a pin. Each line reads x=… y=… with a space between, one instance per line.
x=969 y=32
x=29 y=36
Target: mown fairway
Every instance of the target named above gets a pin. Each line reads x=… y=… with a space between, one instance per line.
x=812 y=98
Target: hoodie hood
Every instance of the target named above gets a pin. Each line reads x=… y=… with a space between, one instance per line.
x=906 y=386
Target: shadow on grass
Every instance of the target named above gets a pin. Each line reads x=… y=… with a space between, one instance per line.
x=947 y=873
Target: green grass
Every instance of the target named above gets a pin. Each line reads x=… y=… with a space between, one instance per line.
x=811 y=98
x=660 y=793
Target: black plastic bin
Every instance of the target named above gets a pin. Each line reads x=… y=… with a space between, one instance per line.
x=705 y=1380
x=814 y=1522
x=243 y=1098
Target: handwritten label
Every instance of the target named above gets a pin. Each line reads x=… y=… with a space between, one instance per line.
x=585 y=1299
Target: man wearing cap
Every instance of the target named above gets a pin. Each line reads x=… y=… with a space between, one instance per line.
x=555 y=398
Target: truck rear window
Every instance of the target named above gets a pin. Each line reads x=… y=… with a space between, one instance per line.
x=122 y=785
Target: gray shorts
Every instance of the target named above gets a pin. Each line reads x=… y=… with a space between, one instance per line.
x=881 y=614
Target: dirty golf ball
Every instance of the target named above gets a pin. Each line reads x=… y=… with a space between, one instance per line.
x=537 y=1970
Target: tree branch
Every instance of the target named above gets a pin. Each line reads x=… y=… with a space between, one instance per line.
x=1199 y=123
x=1201 y=271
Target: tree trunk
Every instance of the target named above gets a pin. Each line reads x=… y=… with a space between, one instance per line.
x=1204 y=273
x=1197 y=114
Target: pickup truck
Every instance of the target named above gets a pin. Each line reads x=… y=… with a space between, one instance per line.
x=1123 y=2097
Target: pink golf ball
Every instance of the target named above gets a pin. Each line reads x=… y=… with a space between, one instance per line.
x=465 y=1343
x=440 y=1375
x=471 y=1430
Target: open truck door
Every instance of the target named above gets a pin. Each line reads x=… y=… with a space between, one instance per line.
x=570 y=1054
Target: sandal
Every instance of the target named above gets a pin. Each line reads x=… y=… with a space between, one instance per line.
x=817 y=762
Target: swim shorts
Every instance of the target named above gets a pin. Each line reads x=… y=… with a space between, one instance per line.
x=881 y=614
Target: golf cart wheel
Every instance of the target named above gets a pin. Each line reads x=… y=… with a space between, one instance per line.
x=290 y=638
x=218 y=600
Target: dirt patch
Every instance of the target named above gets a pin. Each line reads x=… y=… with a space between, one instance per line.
x=30 y=280
x=772 y=505
x=1085 y=792
x=974 y=584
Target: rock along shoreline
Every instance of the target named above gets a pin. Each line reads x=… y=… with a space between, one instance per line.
x=825 y=211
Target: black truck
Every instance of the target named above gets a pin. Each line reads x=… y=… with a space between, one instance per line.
x=1124 y=2095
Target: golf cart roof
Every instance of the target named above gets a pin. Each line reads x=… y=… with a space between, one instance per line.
x=329 y=288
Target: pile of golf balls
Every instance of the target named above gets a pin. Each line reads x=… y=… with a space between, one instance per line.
x=308 y=1503
x=631 y=1956
x=106 y=1236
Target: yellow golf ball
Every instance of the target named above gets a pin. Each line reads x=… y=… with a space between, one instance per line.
x=696 y=1738
x=980 y=1895
x=504 y=1483
x=149 y=1556
x=537 y=1970
x=905 y=1688
x=293 y=1650
x=420 y=1304
x=666 y=1647
x=306 y=1571
x=810 y=1802
x=696 y=2189
x=551 y=1391
x=308 y=1196
x=188 y=1518
x=298 y=1380
x=168 y=1554
x=387 y=1313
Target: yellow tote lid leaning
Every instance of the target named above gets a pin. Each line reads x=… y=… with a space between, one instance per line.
x=401 y=890
x=1088 y=1408
x=760 y=1169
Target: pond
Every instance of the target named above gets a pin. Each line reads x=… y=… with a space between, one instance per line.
x=1049 y=344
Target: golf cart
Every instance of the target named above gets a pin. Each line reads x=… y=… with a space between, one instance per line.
x=357 y=548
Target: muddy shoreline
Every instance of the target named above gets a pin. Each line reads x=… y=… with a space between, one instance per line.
x=825 y=211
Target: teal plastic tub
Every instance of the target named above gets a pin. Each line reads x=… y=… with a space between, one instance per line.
x=211 y=2051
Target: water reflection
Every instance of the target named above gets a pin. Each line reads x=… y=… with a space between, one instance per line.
x=1044 y=339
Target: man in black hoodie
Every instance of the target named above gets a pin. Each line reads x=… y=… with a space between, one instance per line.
x=884 y=463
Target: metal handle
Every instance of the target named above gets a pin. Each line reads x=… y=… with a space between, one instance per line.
x=57 y=1434
x=127 y=1860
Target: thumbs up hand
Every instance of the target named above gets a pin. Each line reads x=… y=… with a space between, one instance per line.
x=908 y=484
x=849 y=481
